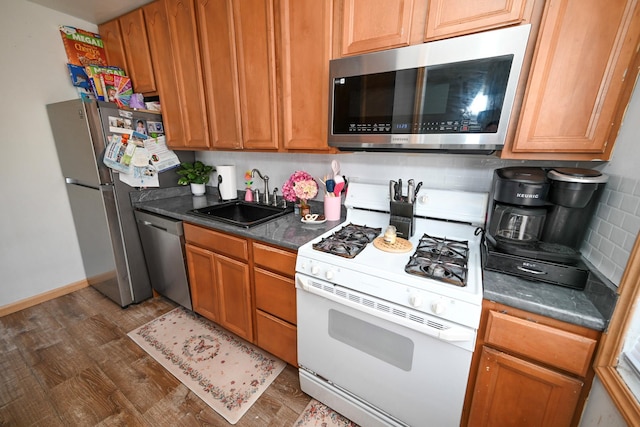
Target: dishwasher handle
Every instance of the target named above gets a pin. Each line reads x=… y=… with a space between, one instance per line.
x=163 y=223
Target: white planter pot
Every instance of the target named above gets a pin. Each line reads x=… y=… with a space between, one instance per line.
x=198 y=189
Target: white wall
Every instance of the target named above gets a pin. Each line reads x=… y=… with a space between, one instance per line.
x=611 y=238
x=38 y=247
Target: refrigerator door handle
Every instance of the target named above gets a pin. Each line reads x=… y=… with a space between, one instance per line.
x=101 y=187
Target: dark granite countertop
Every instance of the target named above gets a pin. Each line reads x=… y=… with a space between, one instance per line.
x=287 y=231
x=558 y=302
x=590 y=308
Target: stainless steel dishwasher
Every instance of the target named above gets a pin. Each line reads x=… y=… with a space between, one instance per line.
x=163 y=244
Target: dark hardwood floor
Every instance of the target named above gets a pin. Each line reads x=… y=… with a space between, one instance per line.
x=69 y=362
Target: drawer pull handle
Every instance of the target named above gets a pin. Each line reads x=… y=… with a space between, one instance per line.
x=528 y=270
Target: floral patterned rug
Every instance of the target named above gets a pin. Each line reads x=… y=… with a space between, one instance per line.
x=225 y=371
x=317 y=414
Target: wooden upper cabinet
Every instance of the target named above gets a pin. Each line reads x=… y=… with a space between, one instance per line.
x=183 y=31
x=238 y=54
x=305 y=51
x=256 y=55
x=162 y=57
x=136 y=48
x=370 y=25
x=448 y=18
x=579 y=80
x=113 y=44
x=217 y=39
x=127 y=46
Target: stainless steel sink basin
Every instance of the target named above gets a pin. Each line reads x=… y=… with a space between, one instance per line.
x=242 y=214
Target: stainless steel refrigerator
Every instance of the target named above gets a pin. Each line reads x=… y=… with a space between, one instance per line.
x=102 y=212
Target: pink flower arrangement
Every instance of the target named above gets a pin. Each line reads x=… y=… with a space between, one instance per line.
x=300 y=185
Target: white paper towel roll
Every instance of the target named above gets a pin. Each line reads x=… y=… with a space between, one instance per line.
x=227 y=182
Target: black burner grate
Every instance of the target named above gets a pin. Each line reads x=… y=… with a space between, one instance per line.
x=440 y=259
x=349 y=241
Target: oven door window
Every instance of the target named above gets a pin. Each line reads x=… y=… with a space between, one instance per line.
x=378 y=342
x=460 y=97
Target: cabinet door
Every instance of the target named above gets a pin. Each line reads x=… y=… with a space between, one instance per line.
x=370 y=25
x=159 y=44
x=113 y=44
x=202 y=281
x=256 y=55
x=448 y=18
x=136 y=47
x=184 y=45
x=577 y=80
x=238 y=53
x=217 y=38
x=305 y=49
x=234 y=291
x=512 y=392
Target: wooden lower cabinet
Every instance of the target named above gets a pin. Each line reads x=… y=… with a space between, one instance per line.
x=274 y=271
x=513 y=392
x=244 y=286
x=219 y=279
x=528 y=370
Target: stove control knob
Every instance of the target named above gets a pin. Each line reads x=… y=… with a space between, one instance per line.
x=438 y=307
x=329 y=274
x=315 y=270
x=415 y=301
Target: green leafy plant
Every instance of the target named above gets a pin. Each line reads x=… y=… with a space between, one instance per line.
x=194 y=173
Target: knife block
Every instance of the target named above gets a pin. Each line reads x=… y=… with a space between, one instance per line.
x=402 y=218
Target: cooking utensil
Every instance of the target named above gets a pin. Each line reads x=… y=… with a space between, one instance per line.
x=392 y=190
x=335 y=166
x=399 y=195
x=330 y=184
x=338 y=188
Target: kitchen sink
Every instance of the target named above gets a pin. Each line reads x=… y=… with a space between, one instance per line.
x=242 y=214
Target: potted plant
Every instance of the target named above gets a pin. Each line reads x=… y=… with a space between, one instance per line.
x=196 y=174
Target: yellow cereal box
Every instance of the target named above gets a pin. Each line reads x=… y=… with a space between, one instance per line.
x=83 y=47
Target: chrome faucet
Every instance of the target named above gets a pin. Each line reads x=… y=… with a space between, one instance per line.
x=265 y=178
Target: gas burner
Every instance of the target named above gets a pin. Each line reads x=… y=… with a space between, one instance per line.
x=440 y=259
x=349 y=241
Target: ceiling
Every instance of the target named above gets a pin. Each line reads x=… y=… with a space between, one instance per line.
x=94 y=11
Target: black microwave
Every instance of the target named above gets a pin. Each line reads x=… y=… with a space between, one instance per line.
x=453 y=95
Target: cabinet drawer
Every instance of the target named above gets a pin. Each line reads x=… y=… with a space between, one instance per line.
x=277 y=337
x=226 y=244
x=276 y=295
x=274 y=259
x=555 y=347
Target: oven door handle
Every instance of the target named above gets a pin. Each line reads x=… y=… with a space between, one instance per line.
x=452 y=334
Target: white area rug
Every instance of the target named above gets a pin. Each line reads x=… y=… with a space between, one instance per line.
x=225 y=371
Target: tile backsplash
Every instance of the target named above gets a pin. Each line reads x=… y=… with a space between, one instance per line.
x=607 y=244
x=612 y=232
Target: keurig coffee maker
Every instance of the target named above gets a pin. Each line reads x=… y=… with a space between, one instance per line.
x=538 y=220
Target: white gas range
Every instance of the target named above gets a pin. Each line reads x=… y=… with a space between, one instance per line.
x=378 y=344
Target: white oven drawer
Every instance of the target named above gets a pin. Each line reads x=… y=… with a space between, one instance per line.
x=410 y=375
